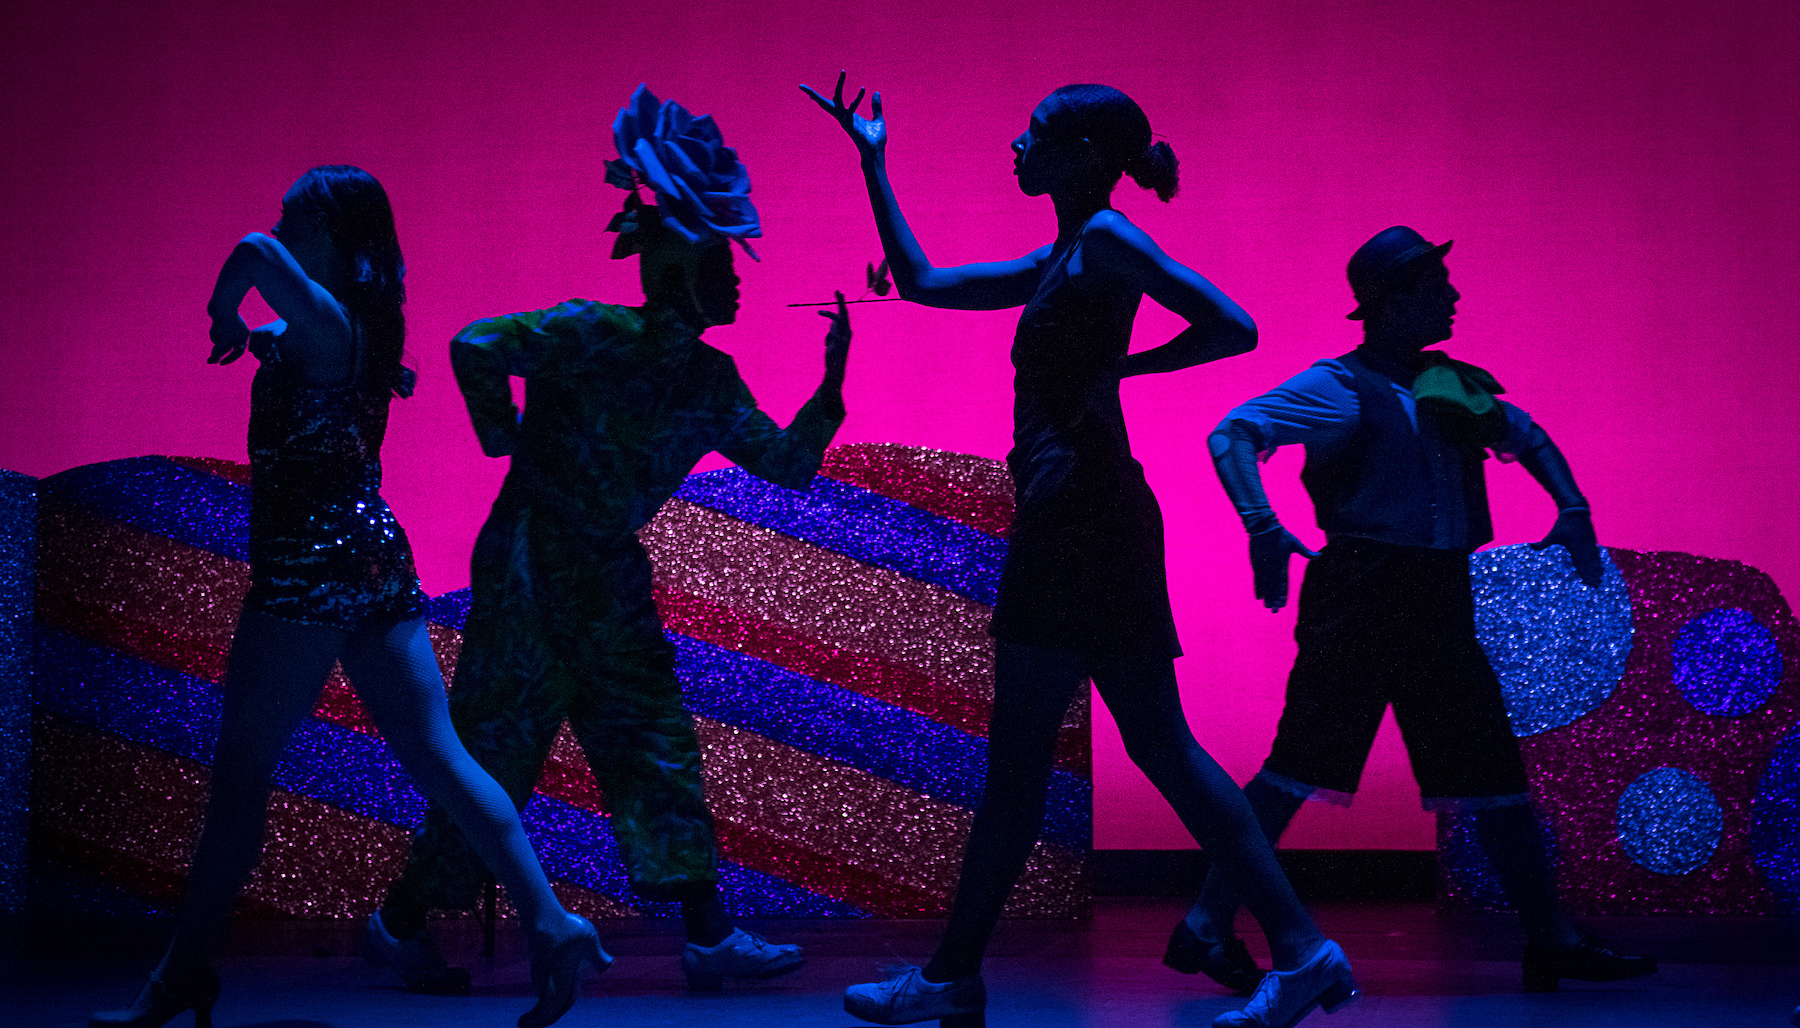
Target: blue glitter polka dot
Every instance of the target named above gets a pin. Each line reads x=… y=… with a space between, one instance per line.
x=1775 y=832
x=1726 y=662
x=1669 y=821
x=1557 y=646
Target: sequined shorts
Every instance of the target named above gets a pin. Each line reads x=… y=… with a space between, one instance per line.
x=344 y=565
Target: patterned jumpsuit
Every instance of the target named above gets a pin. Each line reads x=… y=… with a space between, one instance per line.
x=617 y=411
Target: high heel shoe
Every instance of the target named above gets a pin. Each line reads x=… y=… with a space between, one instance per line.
x=1284 y=997
x=1586 y=961
x=907 y=998
x=1226 y=961
x=158 y=1002
x=556 y=970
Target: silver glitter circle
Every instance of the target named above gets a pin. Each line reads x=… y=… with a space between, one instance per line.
x=1669 y=821
x=1558 y=646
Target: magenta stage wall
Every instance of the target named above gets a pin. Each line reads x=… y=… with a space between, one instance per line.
x=1619 y=179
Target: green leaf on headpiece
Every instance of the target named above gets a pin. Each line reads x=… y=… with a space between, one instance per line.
x=629 y=243
x=618 y=173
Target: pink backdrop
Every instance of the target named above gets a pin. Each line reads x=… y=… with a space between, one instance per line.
x=1619 y=177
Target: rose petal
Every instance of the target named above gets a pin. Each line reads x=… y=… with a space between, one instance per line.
x=699 y=182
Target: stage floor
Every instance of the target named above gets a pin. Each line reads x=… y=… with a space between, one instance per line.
x=1417 y=968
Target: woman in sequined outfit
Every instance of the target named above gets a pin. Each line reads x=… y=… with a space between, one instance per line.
x=1084 y=594
x=332 y=581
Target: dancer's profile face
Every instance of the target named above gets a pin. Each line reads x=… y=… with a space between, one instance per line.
x=1424 y=314
x=302 y=230
x=716 y=285
x=1037 y=160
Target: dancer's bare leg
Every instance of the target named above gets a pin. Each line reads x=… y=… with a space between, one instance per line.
x=1145 y=701
x=395 y=672
x=272 y=681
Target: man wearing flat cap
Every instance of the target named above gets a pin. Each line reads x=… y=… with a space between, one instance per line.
x=1395 y=437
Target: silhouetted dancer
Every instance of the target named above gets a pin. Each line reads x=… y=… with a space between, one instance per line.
x=1083 y=593
x=620 y=403
x=1395 y=438
x=332 y=581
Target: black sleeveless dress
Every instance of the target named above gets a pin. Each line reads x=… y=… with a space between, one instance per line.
x=324 y=547
x=1084 y=567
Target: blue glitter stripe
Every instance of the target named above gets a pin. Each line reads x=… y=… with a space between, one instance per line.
x=159 y=496
x=862 y=524
x=130 y=698
x=451 y=609
x=944 y=763
x=179 y=714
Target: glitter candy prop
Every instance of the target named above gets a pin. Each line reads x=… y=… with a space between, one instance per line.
x=1657 y=718
x=18 y=544
x=832 y=645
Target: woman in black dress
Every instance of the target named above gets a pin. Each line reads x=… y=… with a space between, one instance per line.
x=1084 y=594
x=332 y=581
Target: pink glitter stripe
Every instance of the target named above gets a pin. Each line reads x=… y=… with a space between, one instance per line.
x=772 y=580
x=130 y=814
x=873 y=830
x=164 y=602
x=230 y=470
x=973 y=490
x=159 y=600
x=867 y=673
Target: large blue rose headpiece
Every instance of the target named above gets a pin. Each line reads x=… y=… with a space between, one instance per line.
x=702 y=190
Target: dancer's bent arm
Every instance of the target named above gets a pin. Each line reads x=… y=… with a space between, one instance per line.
x=1118 y=255
x=1574 y=527
x=314 y=331
x=489 y=352
x=973 y=287
x=790 y=456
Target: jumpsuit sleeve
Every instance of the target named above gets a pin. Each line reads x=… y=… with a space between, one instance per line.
x=484 y=356
x=785 y=456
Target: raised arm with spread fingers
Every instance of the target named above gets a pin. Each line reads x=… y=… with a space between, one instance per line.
x=985 y=286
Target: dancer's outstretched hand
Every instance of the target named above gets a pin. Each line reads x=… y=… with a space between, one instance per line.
x=1269 y=564
x=1574 y=531
x=837 y=341
x=869 y=133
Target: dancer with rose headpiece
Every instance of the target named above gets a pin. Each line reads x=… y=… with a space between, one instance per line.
x=620 y=403
x=1083 y=593
x=332 y=582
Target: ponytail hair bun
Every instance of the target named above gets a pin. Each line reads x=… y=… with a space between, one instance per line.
x=1118 y=128
x=1156 y=168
